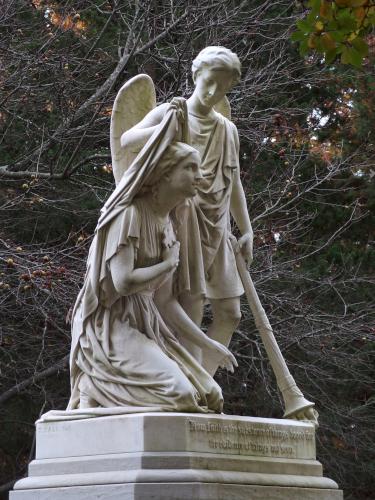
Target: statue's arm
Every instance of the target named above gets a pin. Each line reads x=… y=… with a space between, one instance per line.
x=127 y=279
x=180 y=322
x=239 y=211
x=176 y=317
x=136 y=137
x=238 y=205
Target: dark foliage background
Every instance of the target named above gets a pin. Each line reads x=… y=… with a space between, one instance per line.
x=307 y=156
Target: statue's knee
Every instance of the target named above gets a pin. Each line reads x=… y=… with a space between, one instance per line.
x=230 y=314
x=235 y=317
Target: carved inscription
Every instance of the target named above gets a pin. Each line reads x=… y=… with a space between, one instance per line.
x=52 y=428
x=251 y=439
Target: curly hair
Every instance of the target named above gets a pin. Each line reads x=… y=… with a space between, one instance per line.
x=220 y=58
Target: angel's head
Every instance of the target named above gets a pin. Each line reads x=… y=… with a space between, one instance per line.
x=215 y=71
x=177 y=174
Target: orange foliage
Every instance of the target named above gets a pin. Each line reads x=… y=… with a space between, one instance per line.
x=106 y=111
x=68 y=22
x=71 y=21
x=327 y=150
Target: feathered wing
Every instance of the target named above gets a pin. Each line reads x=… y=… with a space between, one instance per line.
x=223 y=107
x=134 y=100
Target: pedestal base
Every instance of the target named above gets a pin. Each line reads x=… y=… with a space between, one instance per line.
x=180 y=491
x=171 y=456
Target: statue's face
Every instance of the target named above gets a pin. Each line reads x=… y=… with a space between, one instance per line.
x=211 y=85
x=185 y=177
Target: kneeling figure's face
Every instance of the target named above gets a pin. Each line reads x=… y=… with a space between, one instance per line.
x=185 y=177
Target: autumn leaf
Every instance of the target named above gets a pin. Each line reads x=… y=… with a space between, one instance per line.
x=336 y=29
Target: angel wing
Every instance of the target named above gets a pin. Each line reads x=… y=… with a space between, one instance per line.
x=134 y=100
x=223 y=107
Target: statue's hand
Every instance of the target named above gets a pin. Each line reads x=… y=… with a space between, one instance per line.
x=171 y=254
x=245 y=246
x=178 y=103
x=225 y=357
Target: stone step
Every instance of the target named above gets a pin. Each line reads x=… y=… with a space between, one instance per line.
x=176 y=460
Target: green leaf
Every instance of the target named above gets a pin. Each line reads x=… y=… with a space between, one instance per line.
x=314 y=5
x=311 y=18
x=361 y=46
x=340 y=48
x=318 y=44
x=351 y=56
x=345 y=55
x=298 y=36
x=330 y=56
x=328 y=43
x=338 y=36
x=346 y=20
x=332 y=25
x=355 y=57
x=305 y=26
x=371 y=19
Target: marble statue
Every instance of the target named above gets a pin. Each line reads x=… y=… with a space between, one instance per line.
x=210 y=272
x=162 y=247
x=123 y=353
x=213 y=264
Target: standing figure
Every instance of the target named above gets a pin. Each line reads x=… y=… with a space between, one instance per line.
x=123 y=353
x=208 y=268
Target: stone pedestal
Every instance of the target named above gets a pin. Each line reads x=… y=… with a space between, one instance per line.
x=175 y=456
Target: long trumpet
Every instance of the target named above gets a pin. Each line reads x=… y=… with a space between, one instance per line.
x=294 y=401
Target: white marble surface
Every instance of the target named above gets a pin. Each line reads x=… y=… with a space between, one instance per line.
x=163 y=432
x=180 y=491
x=212 y=265
x=176 y=456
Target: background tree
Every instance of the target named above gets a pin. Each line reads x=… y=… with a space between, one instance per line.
x=337 y=28
x=307 y=157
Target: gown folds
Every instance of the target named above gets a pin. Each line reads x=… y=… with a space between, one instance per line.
x=123 y=357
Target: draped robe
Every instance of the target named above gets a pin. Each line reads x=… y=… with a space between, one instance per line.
x=123 y=355
x=208 y=265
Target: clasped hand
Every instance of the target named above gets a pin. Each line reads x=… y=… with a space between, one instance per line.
x=178 y=103
x=171 y=254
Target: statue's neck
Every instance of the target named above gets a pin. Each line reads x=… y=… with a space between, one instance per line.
x=162 y=202
x=196 y=108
